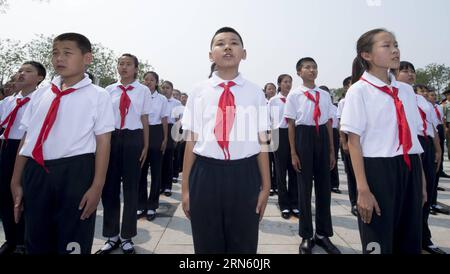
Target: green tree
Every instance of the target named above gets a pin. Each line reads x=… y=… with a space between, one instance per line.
x=12 y=55
x=338 y=93
x=40 y=50
x=4 y=5
x=103 y=65
x=144 y=67
x=436 y=76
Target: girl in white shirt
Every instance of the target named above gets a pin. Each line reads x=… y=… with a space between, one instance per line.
x=382 y=120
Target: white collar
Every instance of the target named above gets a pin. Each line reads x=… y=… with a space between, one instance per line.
x=215 y=80
x=86 y=81
x=377 y=82
x=133 y=84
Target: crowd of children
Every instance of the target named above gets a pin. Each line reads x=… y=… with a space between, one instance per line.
x=68 y=145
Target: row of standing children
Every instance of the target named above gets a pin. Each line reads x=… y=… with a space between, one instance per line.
x=106 y=135
x=226 y=181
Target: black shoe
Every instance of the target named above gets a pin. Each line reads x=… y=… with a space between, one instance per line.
x=336 y=190
x=306 y=246
x=296 y=213
x=7 y=248
x=444 y=175
x=433 y=212
x=354 y=211
x=20 y=250
x=327 y=245
x=434 y=250
x=113 y=245
x=151 y=217
x=272 y=192
x=440 y=188
x=440 y=209
x=168 y=193
x=128 y=251
x=285 y=215
x=140 y=214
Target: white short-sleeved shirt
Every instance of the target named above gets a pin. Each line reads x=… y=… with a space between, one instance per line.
x=173 y=109
x=8 y=106
x=140 y=104
x=340 y=108
x=178 y=111
x=334 y=118
x=82 y=115
x=301 y=109
x=252 y=117
x=2 y=102
x=440 y=109
x=276 y=108
x=371 y=114
x=158 y=108
x=431 y=118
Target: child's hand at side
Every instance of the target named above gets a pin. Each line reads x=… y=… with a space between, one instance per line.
x=262 y=203
x=90 y=201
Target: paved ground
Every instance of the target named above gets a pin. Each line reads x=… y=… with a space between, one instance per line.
x=170 y=232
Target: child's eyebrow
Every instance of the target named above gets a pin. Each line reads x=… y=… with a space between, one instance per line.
x=55 y=49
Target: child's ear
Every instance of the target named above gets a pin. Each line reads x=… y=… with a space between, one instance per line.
x=211 y=57
x=298 y=73
x=244 y=56
x=41 y=78
x=88 y=57
x=366 y=56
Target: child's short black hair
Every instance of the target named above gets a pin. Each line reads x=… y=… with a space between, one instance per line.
x=347 y=81
x=91 y=76
x=135 y=59
x=82 y=42
x=168 y=83
x=155 y=75
x=227 y=29
x=39 y=67
x=325 y=88
x=424 y=88
x=302 y=61
x=406 y=65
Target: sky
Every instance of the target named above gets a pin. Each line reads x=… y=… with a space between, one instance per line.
x=174 y=35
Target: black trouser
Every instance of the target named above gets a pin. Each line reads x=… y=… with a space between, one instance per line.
x=51 y=201
x=429 y=168
x=398 y=192
x=223 y=198
x=334 y=176
x=351 y=180
x=272 y=171
x=448 y=143
x=14 y=233
x=167 y=167
x=313 y=151
x=124 y=166
x=441 y=167
x=178 y=159
x=287 y=190
x=154 y=160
